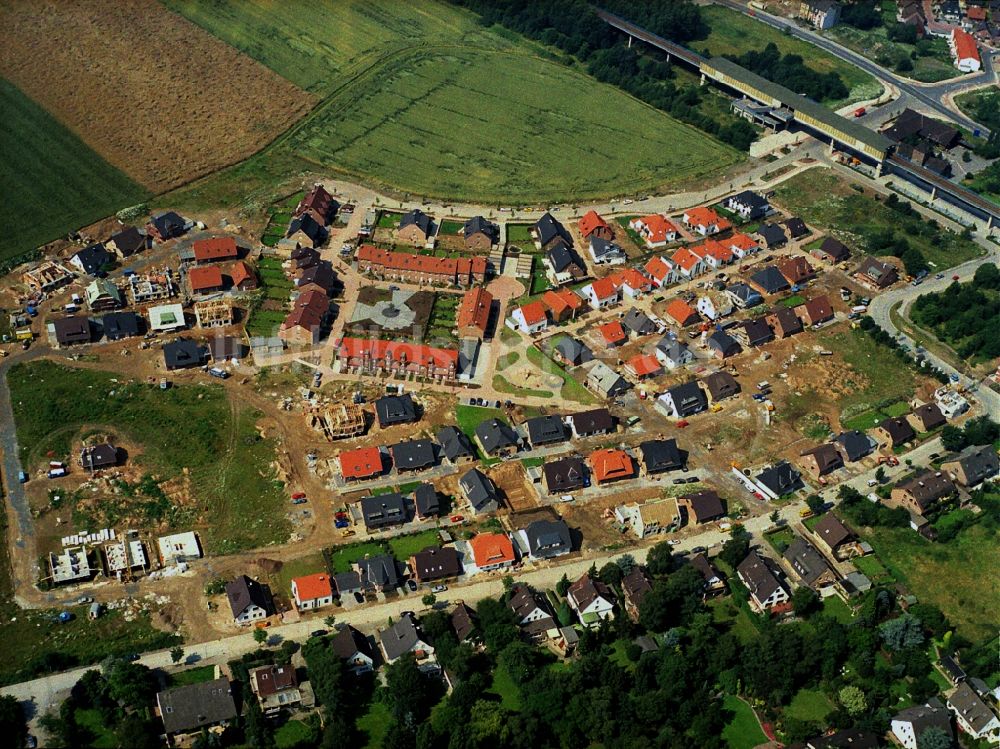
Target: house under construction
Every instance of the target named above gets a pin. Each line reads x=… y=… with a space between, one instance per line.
x=215 y=313
x=338 y=421
x=150 y=287
x=126 y=557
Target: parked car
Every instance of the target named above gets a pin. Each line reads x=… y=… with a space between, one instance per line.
x=412 y=585
x=299 y=495
x=439 y=589
x=456 y=518
x=299 y=501
x=318 y=633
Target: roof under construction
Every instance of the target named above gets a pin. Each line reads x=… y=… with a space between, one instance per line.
x=337 y=421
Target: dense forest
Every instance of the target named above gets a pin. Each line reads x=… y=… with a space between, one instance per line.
x=965 y=316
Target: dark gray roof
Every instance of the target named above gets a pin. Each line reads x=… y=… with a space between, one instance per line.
x=561 y=256
x=349 y=641
x=796 y=227
x=347 y=581
x=92 y=258
x=927 y=487
x=772 y=234
x=399 y=638
x=565 y=474
x=758 y=576
x=835 y=249
x=756 y=202
x=463 y=622
x=548 y=229
x=688 y=398
x=593 y=421
x=721 y=385
x=544 y=430
x=971 y=707
x=780 y=478
x=922 y=717
x=769 y=279
x=227 y=347
x=121 y=325
x=787 y=321
x=638 y=322
x=746 y=294
x=524 y=601
x=413 y=455
x=129 y=240
x=602 y=247
x=425 y=497
x=548 y=538
x=322 y=274
x=98 y=456
x=477 y=225
x=832 y=531
x=380 y=570
x=168 y=224
x=495 y=435
x=418 y=218
x=721 y=341
x=879 y=273
x=383 y=510
x=705 y=506
x=193 y=706
x=849 y=738
x=979 y=462
x=244 y=591
x=929 y=415
x=395 y=409
x=309 y=226
x=573 y=350
x=455 y=443
x=855 y=444
x=757 y=331
x=436 y=563
x=898 y=429
x=805 y=560
x=660 y=455
x=478 y=488
x=827 y=457
x=70 y=330
x=184 y=352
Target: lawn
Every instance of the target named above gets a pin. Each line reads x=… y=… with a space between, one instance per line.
x=743 y=731
x=571 y=389
x=734 y=33
x=949 y=575
x=374 y=724
x=404 y=547
x=92 y=722
x=506 y=689
x=295 y=734
x=307 y=565
x=467 y=418
x=196 y=675
x=881 y=379
x=726 y=610
x=871 y=418
x=342 y=557
x=810 y=705
x=828 y=201
x=834 y=607
x=520 y=235
x=44 y=164
x=238 y=504
x=502 y=385
x=780 y=539
x=391 y=73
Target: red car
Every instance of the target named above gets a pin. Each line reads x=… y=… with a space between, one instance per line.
x=954 y=278
x=299 y=495
x=456 y=518
x=681 y=424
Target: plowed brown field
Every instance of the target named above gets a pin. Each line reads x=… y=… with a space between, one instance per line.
x=152 y=93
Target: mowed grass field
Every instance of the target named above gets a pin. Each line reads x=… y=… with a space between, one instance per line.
x=420 y=98
x=51 y=180
x=734 y=33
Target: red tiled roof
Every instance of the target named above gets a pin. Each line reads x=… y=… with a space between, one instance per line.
x=965 y=45
x=976 y=13
x=533 y=312
x=702 y=216
x=657 y=227
x=742 y=242
x=475 y=309
x=644 y=365
x=590 y=222
x=611 y=464
x=633 y=279
x=307 y=310
x=560 y=299
x=413 y=353
x=240 y=272
x=658 y=268
x=205 y=278
x=406 y=261
x=613 y=332
x=795 y=269
x=312 y=587
x=686 y=258
x=605 y=288
x=492 y=548
x=719 y=251
x=681 y=311
x=217 y=248
x=360 y=463
x=819 y=309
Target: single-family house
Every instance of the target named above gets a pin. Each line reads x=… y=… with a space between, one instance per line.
x=591 y=423
x=312 y=591
x=413 y=455
x=436 y=563
x=768 y=280
x=572 y=352
x=100 y=456
x=704 y=221
x=659 y=456
x=681 y=312
x=593 y=225
x=612 y=334
x=563 y=304
x=215 y=249
x=605 y=381
x=661 y=271
x=183 y=353
x=855 y=444
x=532 y=612
x=772 y=236
x=797 y=228
x=809 y=565
x=923 y=490
x=91 y=260
x=592 y=601
x=701 y=507
x=754 y=332
x=687 y=263
x=748 y=204
x=166 y=225
x=672 y=353
x=908 y=725
x=563 y=265
x=463 y=622
x=655 y=230
x=530 y=318
x=249 y=600
x=379 y=572
x=403 y=637
x=742 y=244
x=974 y=716
x=103 y=294
x=352 y=646
x=192 y=708
x=127 y=242
x=492 y=551
x=762 y=581
x=926 y=418
x=564 y=475
x=784 y=322
x=547 y=231
x=545 y=430
x=361 y=463
x=833 y=536
x=778 y=480
x=642 y=366
x=165 y=318
x=610 y=464
x=713 y=581
x=605 y=252
x=496 y=438
x=545 y=539
x=723 y=345
x=713 y=309
x=822 y=459
x=895 y=432
x=877 y=274
x=832 y=250
x=638 y=323
x=480 y=234
x=744 y=296
x=416 y=228
x=426 y=502
x=823 y=14
x=721 y=385
x=796 y=269
x=651 y=517
x=972 y=466
x=683 y=400
x=391 y=410
x=602 y=293
x=480 y=492
x=384 y=511
x=205 y=280
x=635 y=586
x=965 y=51
x=816 y=311
x=119 y=325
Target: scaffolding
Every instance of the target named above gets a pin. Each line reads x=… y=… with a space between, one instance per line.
x=337 y=421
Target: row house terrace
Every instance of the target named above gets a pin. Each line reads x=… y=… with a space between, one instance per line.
x=372 y=356
x=421 y=269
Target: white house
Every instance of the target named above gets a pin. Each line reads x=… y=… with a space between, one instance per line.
x=688 y=263
x=166 y=317
x=712 y=310
x=249 y=600
x=671 y=353
x=661 y=271
x=766 y=590
x=909 y=724
x=742 y=244
x=633 y=283
x=965 y=51
x=602 y=293
x=704 y=221
x=592 y=601
x=654 y=229
x=606 y=252
x=312 y=591
x=530 y=319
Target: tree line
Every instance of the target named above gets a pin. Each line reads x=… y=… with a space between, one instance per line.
x=965 y=316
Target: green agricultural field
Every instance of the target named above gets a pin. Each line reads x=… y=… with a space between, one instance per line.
x=191 y=428
x=828 y=201
x=734 y=33
x=52 y=182
x=421 y=98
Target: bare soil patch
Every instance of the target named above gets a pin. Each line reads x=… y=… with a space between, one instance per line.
x=155 y=95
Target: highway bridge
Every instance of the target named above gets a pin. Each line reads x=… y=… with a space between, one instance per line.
x=841 y=132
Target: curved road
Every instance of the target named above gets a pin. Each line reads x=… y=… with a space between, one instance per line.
x=929 y=96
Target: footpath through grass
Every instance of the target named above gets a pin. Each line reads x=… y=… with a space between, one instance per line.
x=53 y=183
x=526 y=129
x=239 y=504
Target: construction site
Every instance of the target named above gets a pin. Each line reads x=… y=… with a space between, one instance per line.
x=337 y=421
